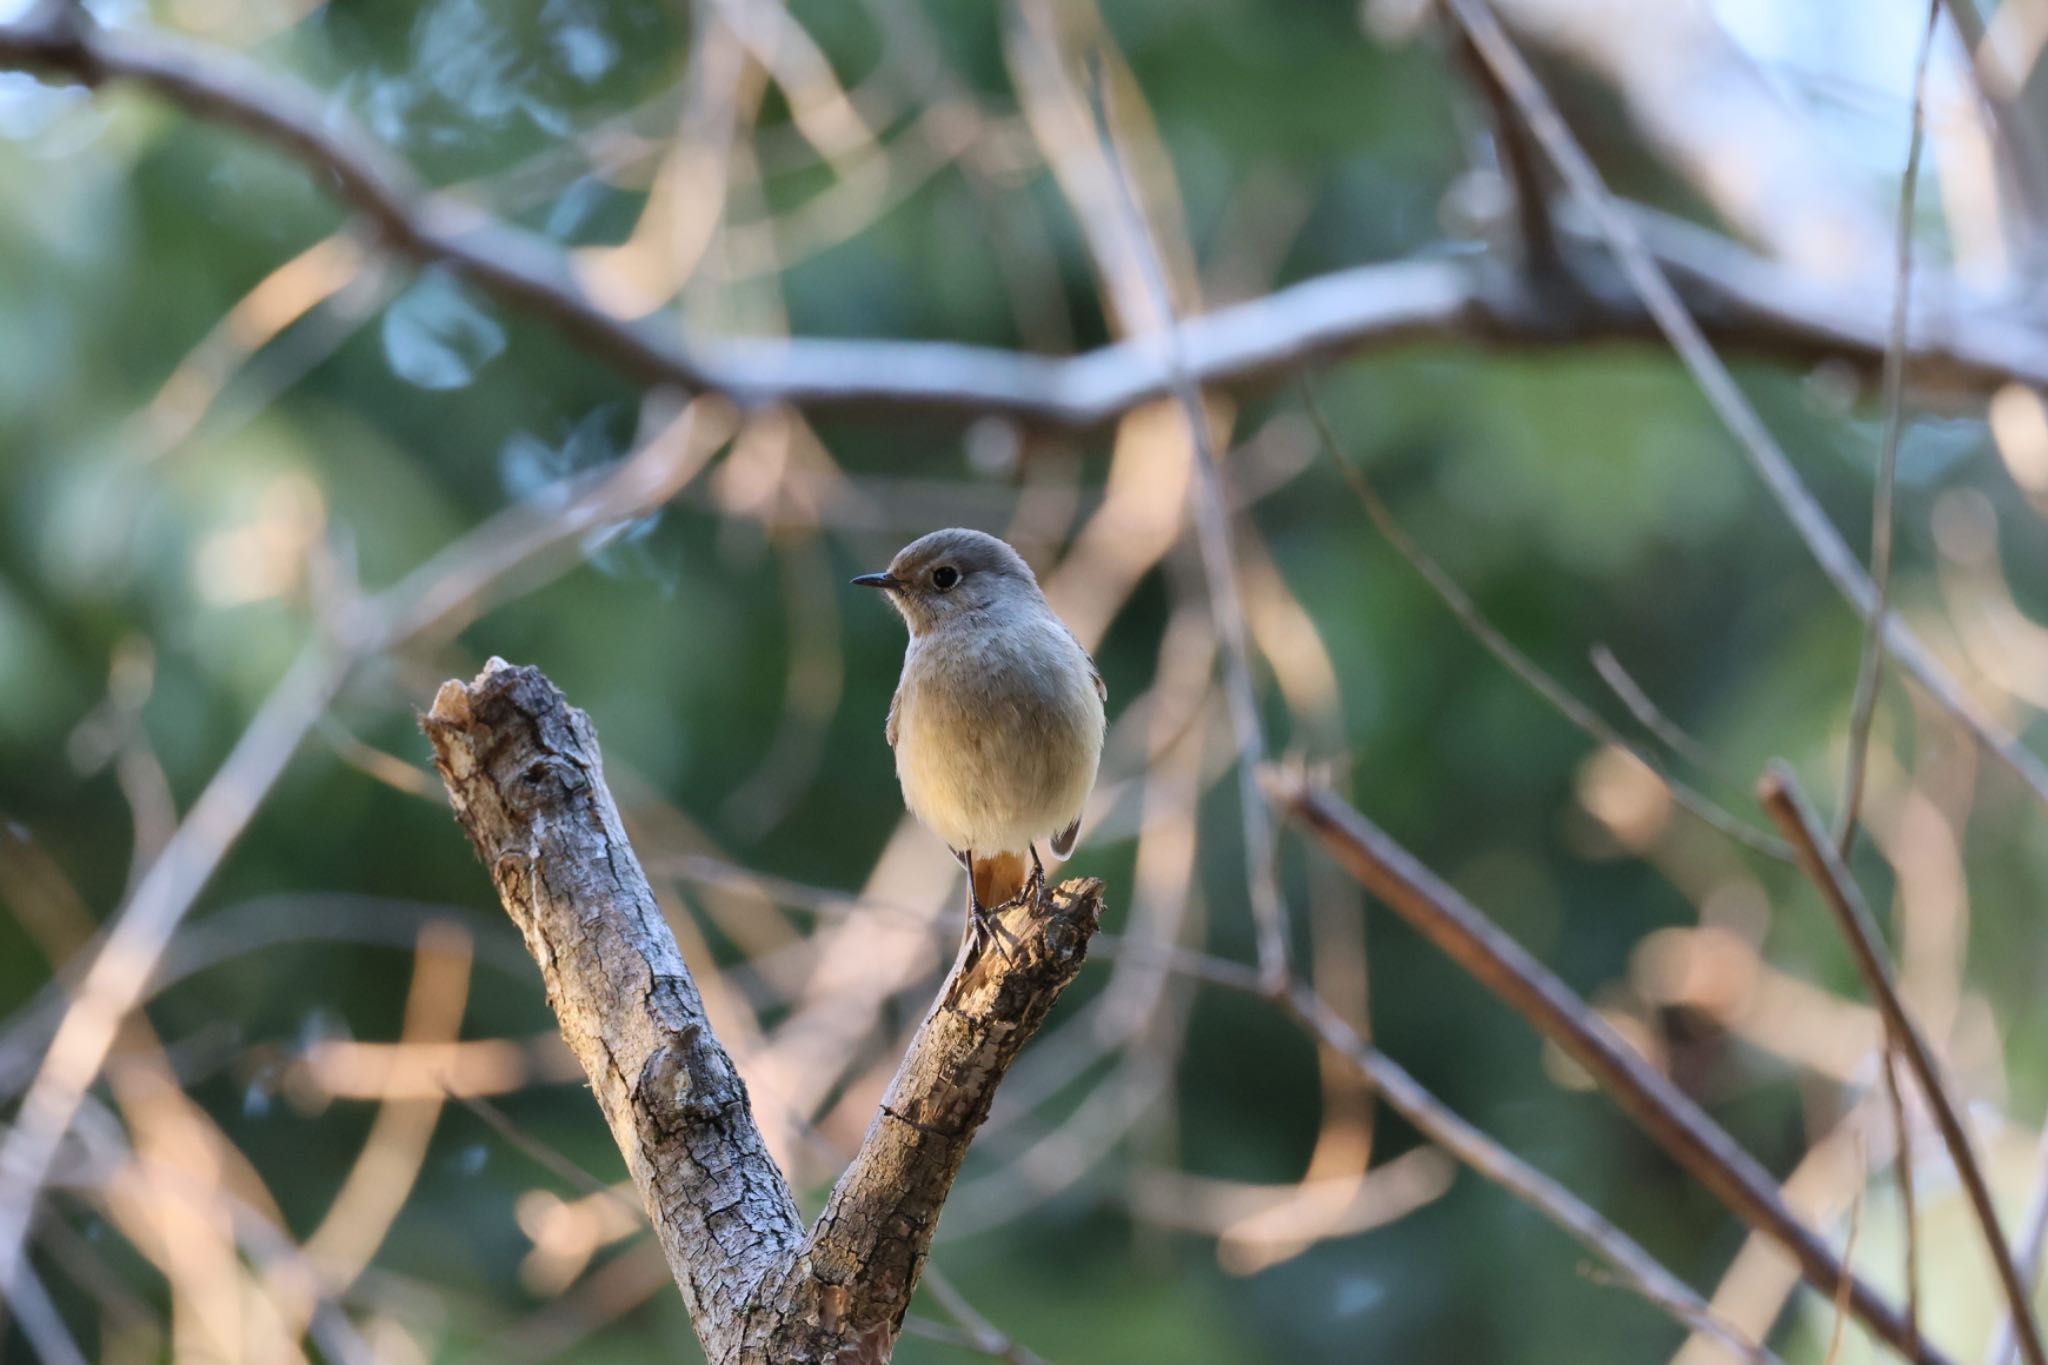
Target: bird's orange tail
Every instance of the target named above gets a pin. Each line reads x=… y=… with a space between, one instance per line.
x=998 y=878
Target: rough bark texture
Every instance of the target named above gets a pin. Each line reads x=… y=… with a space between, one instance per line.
x=523 y=770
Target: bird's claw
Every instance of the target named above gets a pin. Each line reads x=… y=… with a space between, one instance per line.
x=984 y=927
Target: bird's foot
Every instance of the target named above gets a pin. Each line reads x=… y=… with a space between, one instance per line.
x=1034 y=885
x=984 y=927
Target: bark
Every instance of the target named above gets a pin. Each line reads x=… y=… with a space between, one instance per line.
x=523 y=770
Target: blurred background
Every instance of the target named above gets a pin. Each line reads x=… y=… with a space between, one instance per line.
x=264 y=483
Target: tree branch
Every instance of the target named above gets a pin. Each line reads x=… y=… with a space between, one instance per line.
x=1822 y=861
x=1740 y=300
x=1672 y=1120
x=523 y=769
x=1659 y=293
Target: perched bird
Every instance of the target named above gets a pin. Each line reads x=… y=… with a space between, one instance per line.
x=997 y=722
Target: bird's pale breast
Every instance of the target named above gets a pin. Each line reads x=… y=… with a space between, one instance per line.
x=998 y=733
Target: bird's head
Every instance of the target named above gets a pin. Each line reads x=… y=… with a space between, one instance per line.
x=953 y=575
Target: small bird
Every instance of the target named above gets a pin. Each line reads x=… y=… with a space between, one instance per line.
x=997 y=722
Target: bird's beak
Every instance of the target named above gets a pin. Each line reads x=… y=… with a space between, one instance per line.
x=878 y=580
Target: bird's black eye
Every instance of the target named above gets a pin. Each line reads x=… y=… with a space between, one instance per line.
x=944 y=577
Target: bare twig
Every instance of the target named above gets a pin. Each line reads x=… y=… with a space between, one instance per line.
x=523 y=770
x=1749 y=302
x=121 y=969
x=1536 y=231
x=1525 y=669
x=1664 y=1112
x=1870 y=668
x=1836 y=1334
x=2033 y=1236
x=2015 y=124
x=246 y=927
x=1438 y=1122
x=967 y=1339
x=1817 y=855
x=1654 y=287
x=540 y=1152
x=983 y=1335
x=1645 y=710
x=1909 y=1206
x=1219 y=564
x=39 y=1320
x=449 y=585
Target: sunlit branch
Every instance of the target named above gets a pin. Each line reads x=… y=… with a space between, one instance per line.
x=1402 y=1092
x=1655 y=287
x=1742 y=301
x=1525 y=669
x=1870 y=667
x=524 y=774
x=1823 y=864
x=1666 y=1114
x=1213 y=533
x=445 y=591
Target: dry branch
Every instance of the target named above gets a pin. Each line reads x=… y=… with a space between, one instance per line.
x=523 y=770
x=1822 y=861
x=1870 y=670
x=441 y=591
x=1740 y=300
x=1637 y=1268
x=1664 y=1112
x=119 y=971
x=1660 y=295
x=1525 y=669
x=1214 y=536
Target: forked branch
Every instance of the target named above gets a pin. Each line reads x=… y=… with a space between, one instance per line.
x=523 y=770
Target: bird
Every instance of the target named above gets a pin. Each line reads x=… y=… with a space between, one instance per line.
x=997 y=721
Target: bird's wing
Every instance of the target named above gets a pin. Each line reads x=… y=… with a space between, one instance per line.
x=1063 y=842
x=1094 y=673
x=889 y=726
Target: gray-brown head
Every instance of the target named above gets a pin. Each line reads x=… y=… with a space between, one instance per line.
x=953 y=575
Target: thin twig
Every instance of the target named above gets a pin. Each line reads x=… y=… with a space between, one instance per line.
x=1442 y=1125
x=449 y=585
x=1654 y=287
x=1219 y=563
x=1870 y=668
x=1527 y=670
x=542 y=1153
x=1835 y=1336
x=1902 y=1165
x=1781 y=797
x=966 y=1339
x=1646 y=711
x=2013 y=121
x=1659 y=1108
x=985 y=1337
x=39 y=1320
x=2033 y=1236
x=1700 y=1323
x=122 y=967
x=1536 y=231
